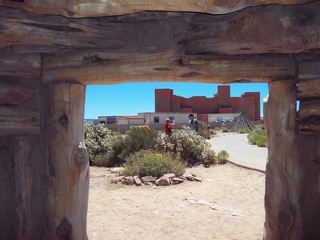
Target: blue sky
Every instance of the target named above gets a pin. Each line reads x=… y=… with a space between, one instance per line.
x=132 y=98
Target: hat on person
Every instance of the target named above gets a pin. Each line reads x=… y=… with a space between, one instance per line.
x=190 y=115
x=168 y=119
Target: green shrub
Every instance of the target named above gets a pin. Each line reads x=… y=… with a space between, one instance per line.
x=135 y=140
x=243 y=130
x=147 y=163
x=260 y=126
x=116 y=156
x=102 y=160
x=222 y=157
x=98 y=139
x=225 y=129
x=261 y=141
x=189 y=146
x=258 y=137
x=202 y=130
x=138 y=139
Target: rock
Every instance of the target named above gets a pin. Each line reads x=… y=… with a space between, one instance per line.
x=183 y=178
x=137 y=180
x=163 y=181
x=148 y=179
x=169 y=175
x=117 y=179
x=117 y=170
x=197 y=179
x=188 y=176
x=128 y=180
x=176 y=180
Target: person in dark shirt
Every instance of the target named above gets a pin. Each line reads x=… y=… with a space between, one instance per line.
x=193 y=123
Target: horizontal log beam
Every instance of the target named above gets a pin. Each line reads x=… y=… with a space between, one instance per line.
x=308 y=89
x=309 y=117
x=85 y=8
x=21 y=65
x=309 y=79
x=14 y=95
x=104 y=68
x=18 y=122
x=264 y=29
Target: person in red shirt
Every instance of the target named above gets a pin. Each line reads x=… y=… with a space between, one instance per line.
x=167 y=127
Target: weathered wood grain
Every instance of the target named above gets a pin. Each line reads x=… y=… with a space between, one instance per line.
x=14 y=95
x=282 y=196
x=24 y=65
x=85 y=8
x=309 y=116
x=68 y=163
x=309 y=79
x=23 y=187
x=263 y=29
x=308 y=89
x=19 y=122
x=59 y=45
x=101 y=67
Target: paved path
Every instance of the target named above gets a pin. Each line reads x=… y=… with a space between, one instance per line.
x=241 y=152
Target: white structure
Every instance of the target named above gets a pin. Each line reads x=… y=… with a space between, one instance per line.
x=130 y=120
x=220 y=117
x=154 y=118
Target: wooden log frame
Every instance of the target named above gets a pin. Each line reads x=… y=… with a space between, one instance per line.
x=110 y=68
x=85 y=8
x=44 y=167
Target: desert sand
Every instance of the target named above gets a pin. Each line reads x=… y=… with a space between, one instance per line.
x=226 y=204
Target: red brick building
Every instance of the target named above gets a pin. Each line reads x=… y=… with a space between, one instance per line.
x=222 y=102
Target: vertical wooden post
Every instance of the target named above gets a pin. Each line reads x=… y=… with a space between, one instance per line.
x=68 y=164
x=283 y=174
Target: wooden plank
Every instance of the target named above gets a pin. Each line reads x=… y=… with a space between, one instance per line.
x=15 y=121
x=309 y=117
x=308 y=89
x=85 y=8
x=309 y=79
x=12 y=94
x=150 y=32
x=23 y=187
x=108 y=68
x=24 y=65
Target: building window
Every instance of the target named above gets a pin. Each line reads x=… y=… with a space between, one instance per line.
x=156 y=119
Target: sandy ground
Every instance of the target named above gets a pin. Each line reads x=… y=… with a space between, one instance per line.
x=227 y=204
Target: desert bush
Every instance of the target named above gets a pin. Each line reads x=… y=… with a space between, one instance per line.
x=258 y=137
x=222 y=157
x=202 y=130
x=98 y=139
x=225 y=129
x=261 y=141
x=102 y=160
x=243 y=130
x=148 y=163
x=138 y=139
x=188 y=146
x=135 y=140
x=260 y=126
